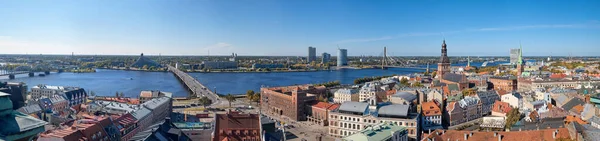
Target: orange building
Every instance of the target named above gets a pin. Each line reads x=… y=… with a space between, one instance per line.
x=234 y=126
x=504 y=83
x=290 y=101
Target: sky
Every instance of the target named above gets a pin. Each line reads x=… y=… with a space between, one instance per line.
x=289 y=27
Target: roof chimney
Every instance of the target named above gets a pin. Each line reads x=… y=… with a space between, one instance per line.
x=466 y=136
x=499 y=137
x=554 y=134
x=495 y=134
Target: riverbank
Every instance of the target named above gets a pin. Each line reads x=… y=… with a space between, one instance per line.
x=125 y=69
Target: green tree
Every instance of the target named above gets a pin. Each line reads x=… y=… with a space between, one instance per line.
x=433 y=74
x=404 y=81
x=512 y=117
x=249 y=95
x=230 y=98
x=256 y=98
x=204 y=101
x=417 y=84
x=121 y=94
x=468 y=92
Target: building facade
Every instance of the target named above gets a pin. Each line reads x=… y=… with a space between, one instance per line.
x=288 y=101
x=514 y=99
x=352 y=117
x=385 y=131
x=431 y=117
x=370 y=89
x=504 y=83
x=342 y=57
x=343 y=95
x=326 y=58
x=147 y=95
x=235 y=126
x=219 y=65
x=319 y=113
x=487 y=99
x=74 y=95
x=312 y=54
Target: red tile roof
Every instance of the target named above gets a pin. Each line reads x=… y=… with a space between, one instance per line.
x=501 y=92
x=124 y=121
x=325 y=105
x=572 y=118
x=530 y=135
x=430 y=109
x=236 y=127
x=80 y=130
x=558 y=75
x=501 y=107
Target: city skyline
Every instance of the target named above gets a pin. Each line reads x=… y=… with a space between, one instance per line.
x=276 y=28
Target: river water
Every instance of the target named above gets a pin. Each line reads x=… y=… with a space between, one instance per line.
x=107 y=82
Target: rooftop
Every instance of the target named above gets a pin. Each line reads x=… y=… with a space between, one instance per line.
x=379 y=132
x=346 y=91
x=430 y=109
x=394 y=110
x=405 y=95
x=534 y=135
x=18 y=123
x=351 y=106
x=325 y=105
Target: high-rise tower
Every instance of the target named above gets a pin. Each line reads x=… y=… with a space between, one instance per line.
x=444 y=64
x=312 y=54
x=520 y=62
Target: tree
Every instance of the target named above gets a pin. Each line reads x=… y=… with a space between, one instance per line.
x=121 y=94
x=468 y=92
x=433 y=74
x=204 y=101
x=404 y=81
x=92 y=93
x=230 y=98
x=256 y=98
x=512 y=117
x=417 y=84
x=249 y=95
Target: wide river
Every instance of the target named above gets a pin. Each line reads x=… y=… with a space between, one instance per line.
x=107 y=82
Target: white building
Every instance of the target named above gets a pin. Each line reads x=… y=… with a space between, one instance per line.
x=514 y=99
x=343 y=95
x=352 y=117
x=385 y=131
x=370 y=89
x=74 y=95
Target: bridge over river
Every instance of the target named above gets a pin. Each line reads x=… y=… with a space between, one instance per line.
x=194 y=86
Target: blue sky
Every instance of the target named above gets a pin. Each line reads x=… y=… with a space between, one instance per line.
x=288 y=27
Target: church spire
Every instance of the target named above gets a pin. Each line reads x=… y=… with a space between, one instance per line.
x=520 y=61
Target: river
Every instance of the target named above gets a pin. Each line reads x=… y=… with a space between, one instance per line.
x=107 y=82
